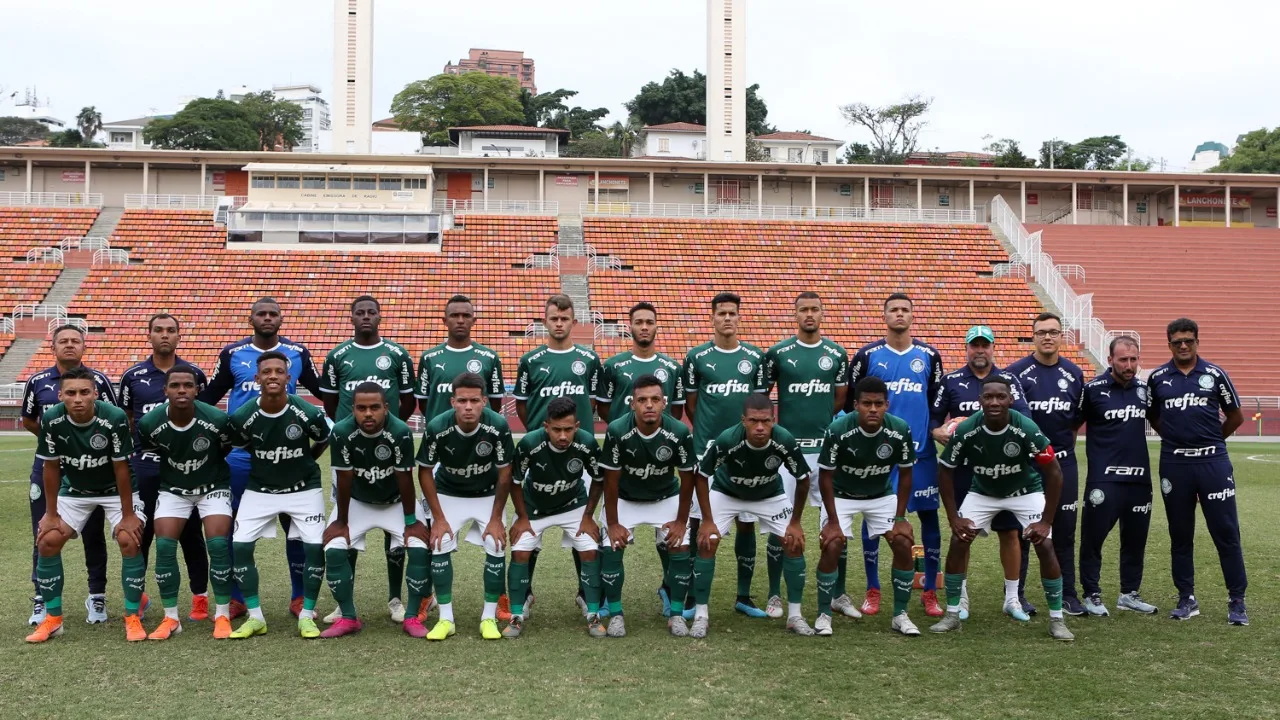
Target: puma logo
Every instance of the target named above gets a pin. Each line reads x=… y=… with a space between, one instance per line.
x=711 y=367
x=348 y=363
x=964 y=385
x=439 y=365
x=792 y=361
x=546 y=370
x=1105 y=393
x=883 y=365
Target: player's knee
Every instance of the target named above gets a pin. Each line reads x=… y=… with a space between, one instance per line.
x=491 y=547
x=522 y=556
x=899 y=544
x=128 y=546
x=51 y=544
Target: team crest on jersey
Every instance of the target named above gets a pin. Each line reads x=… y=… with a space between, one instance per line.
x=661 y=374
x=574 y=466
x=484 y=449
x=293 y=432
x=1063 y=384
x=826 y=363
x=772 y=462
x=917 y=365
x=745 y=367
x=884 y=451
x=98 y=442
x=578 y=367
x=1206 y=382
x=1012 y=449
x=663 y=454
x=383 y=362
x=1096 y=496
x=382 y=452
x=1142 y=393
x=200 y=444
x=473 y=365
x=1166 y=487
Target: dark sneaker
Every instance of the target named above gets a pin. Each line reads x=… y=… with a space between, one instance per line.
x=1071 y=606
x=1187 y=608
x=1027 y=607
x=1236 y=614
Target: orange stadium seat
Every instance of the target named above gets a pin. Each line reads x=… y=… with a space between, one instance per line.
x=24 y=228
x=25 y=282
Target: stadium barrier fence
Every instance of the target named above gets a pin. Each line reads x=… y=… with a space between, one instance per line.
x=737 y=211
x=498 y=207
x=44 y=199
x=171 y=202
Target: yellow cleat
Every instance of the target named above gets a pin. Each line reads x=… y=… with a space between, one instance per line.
x=489 y=629
x=251 y=627
x=307 y=628
x=444 y=629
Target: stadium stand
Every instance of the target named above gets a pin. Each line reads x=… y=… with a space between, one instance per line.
x=22 y=229
x=25 y=282
x=1143 y=277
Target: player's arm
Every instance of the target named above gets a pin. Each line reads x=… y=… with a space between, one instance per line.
x=495 y=528
x=30 y=419
x=124 y=399
x=522 y=412
x=497 y=388
x=308 y=379
x=330 y=404
x=900 y=523
x=524 y=376
x=1153 y=409
x=617 y=533
x=520 y=523
x=857 y=371
x=604 y=397
x=1229 y=401
x=31 y=426
x=342 y=498
x=1051 y=471
x=222 y=381
x=129 y=520
x=1232 y=422
x=1019 y=395
x=689 y=373
x=407 y=406
x=52 y=480
x=938 y=414
x=947 y=491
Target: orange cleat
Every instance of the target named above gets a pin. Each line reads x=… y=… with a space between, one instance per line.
x=930 y=600
x=504 y=608
x=199 y=608
x=871 y=603
x=428 y=604
x=295 y=606
x=50 y=627
x=133 y=630
x=221 y=627
x=167 y=629
x=238 y=610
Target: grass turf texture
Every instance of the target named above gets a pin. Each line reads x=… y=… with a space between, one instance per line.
x=1125 y=664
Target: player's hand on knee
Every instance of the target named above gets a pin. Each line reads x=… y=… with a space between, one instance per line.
x=831 y=533
x=131 y=526
x=439 y=531
x=902 y=529
x=793 y=540
x=419 y=531
x=675 y=531
x=964 y=529
x=618 y=536
x=590 y=528
x=52 y=524
x=708 y=535
x=520 y=527
x=496 y=531
x=1037 y=532
x=336 y=530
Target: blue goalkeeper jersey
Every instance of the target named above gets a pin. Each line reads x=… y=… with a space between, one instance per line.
x=913 y=377
x=238 y=369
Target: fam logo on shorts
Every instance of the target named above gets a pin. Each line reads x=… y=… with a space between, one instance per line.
x=826 y=363
x=484 y=449
x=773 y=461
x=574 y=466
x=578 y=367
x=745 y=367
x=382 y=452
x=98 y=442
x=661 y=374
x=884 y=451
x=663 y=454
x=473 y=365
x=293 y=432
x=383 y=362
x=1166 y=487
x=200 y=444
x=1206 y=382
x=1063 y=384
x=1012 y=449
x=917 y=365
x=1096 y=496
x=1142 y=393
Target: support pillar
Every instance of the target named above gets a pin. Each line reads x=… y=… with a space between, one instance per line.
x=866 y=197
x=29 y=166
x=146 y=178
x=1124 y=202
x=706 y=193
x=87 y=176
x=1023 y=193
x=1075 y=206
x=1177 y=205
x=542 y=185
x=484 y=188
x=760 y=191
x=651 y=189
x=813 y=194
x=971 y=208
x=919 y=199
x=1226 y=199
x=203 y=173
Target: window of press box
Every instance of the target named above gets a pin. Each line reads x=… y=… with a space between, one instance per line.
x=341 y=182
x=264 y=182
x=288 y=182
x=388 y=183
x=313 y=183
x=363 y=183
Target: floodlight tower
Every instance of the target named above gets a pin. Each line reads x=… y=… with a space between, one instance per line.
x=352 y=116
x=727 y=80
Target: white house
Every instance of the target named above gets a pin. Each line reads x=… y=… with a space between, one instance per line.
x=675 y=140
x=798 y=147
x=127 y=134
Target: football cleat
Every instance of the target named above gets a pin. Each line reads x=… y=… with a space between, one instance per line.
x=307 y=628
x=1236 y=614
x=929 y=598
x=489 y=629
x=1133 y=601
x=1094 y=606
x=37 y=611
x=168 y=628
x=513 y=628
x=442 y=630
x=949 y=622
x=199 y=608
x=396 y=608
x=414 y=627
x=249 y=628
x=428 y=604
x=798 y=625
x=504 y=608
x=1013 y=609
x=1027 y=607
x=581 y=602
x=49 y=627
x=822 y=626
x=773 y=608
x=221 y=627
x=747 y=606
x=238 y=610
x=595 y=628
x=700 y=627
x=1058 y=629
x=677 y=626
x=617 y=626
x=96 y=607
x=344 y=626
x=871 y=603
x=964 y=601
x=133 y=630
x=665 y=598
x=902 y=624
x=143 y=606
x=295 y=607
x=844 y=605
x=332 y=617
x=1187 y=608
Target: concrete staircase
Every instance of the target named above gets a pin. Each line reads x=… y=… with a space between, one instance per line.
x=105 y=225
x=16 y=358
x=573 y=276
x=65 y=289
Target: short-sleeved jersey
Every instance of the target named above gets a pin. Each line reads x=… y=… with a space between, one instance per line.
x=1003 y=463
x=1116 y=441
x=960 y=392
x=739 y=470
x=191 y=458
x=41 y=392
x=545 y=374
x=279 y=444
x=237 y=372
x=723 y=379
x=373 y=460
x=1186 y=405
x=385 y=363
x=551 y=480
x=913 y=377
x=862 y=465
x=647 y=464
x=85 y=452
x=620 y=372
x=468 y=462
x=1053 y=395
x=807 y=377
x=141 y=391
x=441 y=364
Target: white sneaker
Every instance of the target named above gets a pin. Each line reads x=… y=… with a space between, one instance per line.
x=798 y=625
x=396 y=608
x=964 y=602
x=37 y=611
x=700 y=627
x=676 y=624
x=582 y=605
x=822 y=626
x=844 y=605
x=333 y=617
x=773 y=608
x=617 y=627
x=901 y=623
x=96 y=607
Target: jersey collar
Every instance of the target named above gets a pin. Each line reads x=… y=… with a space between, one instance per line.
x=717 y=348
x=374 y=346
x=553 y=351
x=451 y=348
x=1000 y=431
x=184 y=428
x=802 y=343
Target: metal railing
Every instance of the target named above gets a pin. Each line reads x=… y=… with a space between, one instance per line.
x=32 y=310
x=1260 y=402
x=604 y=262
x=56 y=323
x=84 y=243
x=541 y=261
x=498 y=207
x=1075 y=271
x=50 y=255
x=611 y=330
x=6 y=325
x=588 y=316
x=13 y=391
x=731 y=211
x=535 y=330
x=171 y=202
x=111 y=256
x=1013 y=269
x=573 y=250
x=44 y=199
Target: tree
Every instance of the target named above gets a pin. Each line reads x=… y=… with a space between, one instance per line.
x=1255 y=152
x=16 y=130
x=538 y=109
x=626 y=135
x=1095 y=153
x=578 y=121
x=683 y=98
x=594 y=144
x=755 y=150
x=1008 y=154
x=894 y=128
x=276 y=122
x=205 y=124
x=89 y=122
x=66 y=139
x=857 y=154
x=1135 y=164
x=434 y=105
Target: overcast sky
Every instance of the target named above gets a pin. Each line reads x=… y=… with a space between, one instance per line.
x=1164 y=75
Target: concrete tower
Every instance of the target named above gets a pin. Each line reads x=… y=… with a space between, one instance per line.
x=727 y=80
x=352 y=115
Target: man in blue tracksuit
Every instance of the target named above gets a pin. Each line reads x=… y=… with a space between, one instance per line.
x=1187 y=395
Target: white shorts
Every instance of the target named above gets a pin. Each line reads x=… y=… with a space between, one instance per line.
x=172 y=505
x=75 y=511
x=773 y=513
x=568 y=521
x=363 y=517
x=877 y=513
x=632 y=514
x=789 y=482
x=980 y=509
x=458 y=511
x=256 y=517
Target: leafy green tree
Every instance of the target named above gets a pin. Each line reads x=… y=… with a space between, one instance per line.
x=857 y=154
x=894 y=128
x=1255 y=152
x=434 y=105
x=538 y=109
x=578 y=121
x=277 y=122
x=594 y=144
x=1135 y=164
x=16 y=130
x=89 y=122
x=1095 y=153
x=755 y=150
x=627 y=135
x=683 y=98
x=205 y=124
x=1008 y=154
x=66 y=138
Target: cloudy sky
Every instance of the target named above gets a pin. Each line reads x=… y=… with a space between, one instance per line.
x=1164 y=75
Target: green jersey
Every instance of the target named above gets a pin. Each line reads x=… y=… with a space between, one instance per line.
x=1003 y=463
x=192 y=457
x=468 y=462
x=279 y=444
x=545 y=374
x=722 y=379
x=647 y=465
x=87 y=453
x=441 y=364
x=619 y=374
x=550 y=479
x=385 y=363
x=863 y=464
x=373 y=460
x=739 y=470
x=807 y=377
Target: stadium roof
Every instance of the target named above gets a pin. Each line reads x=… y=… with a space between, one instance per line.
x=511 y=129
x=136 y=122
x=796 y=136
x=678 y=127
x=303 y=168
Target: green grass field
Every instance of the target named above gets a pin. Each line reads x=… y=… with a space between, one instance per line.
x=1122 y=665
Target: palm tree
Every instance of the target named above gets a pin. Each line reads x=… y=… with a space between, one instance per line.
x=626 y=135
x=90 y=123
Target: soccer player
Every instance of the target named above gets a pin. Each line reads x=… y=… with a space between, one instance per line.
x=464 y=469
x=742 y=468
x=84 y=444
x=958 y=397
x=1118 y=484
x=549 y=490
x=41 y=392
x=1053 y=385
x=189 y=441
x=719 y=376
x=457 y=354
x=236 y=373
x=372 y=452
x=143 y=388
x=810 y=372
x=1187 y=394
x=283 y=435
x=855 y=476
x=644 y=451
x=368 y=357
x=1003 y=448
x=912 y=371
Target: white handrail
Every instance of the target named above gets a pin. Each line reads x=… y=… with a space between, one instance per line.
x=171 y=202
x=84 y=243
x=6 y=325
x=541 y=261
x=56 y=323
x=12 y=391
x=570 y=250
x=735 y=211
x=45 y=254
x=111 y=256
x=498 y=207
x=43 y=199
x=32 y=310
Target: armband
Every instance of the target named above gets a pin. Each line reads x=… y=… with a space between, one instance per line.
x=1046 y=456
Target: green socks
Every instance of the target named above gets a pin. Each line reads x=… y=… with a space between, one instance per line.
x=442 y=576
x=418 y=578
x=1053 y=592
x=678 y=575
x=704 y=571
x=664 y=556
x=219 y=569
x=167 y=573
x=744 y=547
x=518 y=582
x=826 y=588
x=955 y=584
x=902 y=582
x=341 y=579
x=133 y=575
x=611 y=577
x=395 y=567
x=312 y=574
x=773 y=564
x=246 y=572
x=793 y=570
x=495 y=571
x=842 y=572
x=49 y=579
x=589 y=583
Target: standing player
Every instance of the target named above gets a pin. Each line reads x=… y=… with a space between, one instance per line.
x=742 y=468
x=810 y=372
x=84 y=444
x=40 y=393
x=457 y=354
x=1118 y=485
x=284 y=435
x=912 y=370
x=1003 y=449
x=371 y=450
x=236 y=373
x=644 y=451
x=368 y=357
x=719 y=376
x=549 y=490
x=859 y=452
x=464 y=469
x=1187 y=394
x=189 y=440
x=143 y=388
x=1053 y=386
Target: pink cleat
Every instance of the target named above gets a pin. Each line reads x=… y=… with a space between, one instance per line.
x=414 y=627
x=344 y=626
